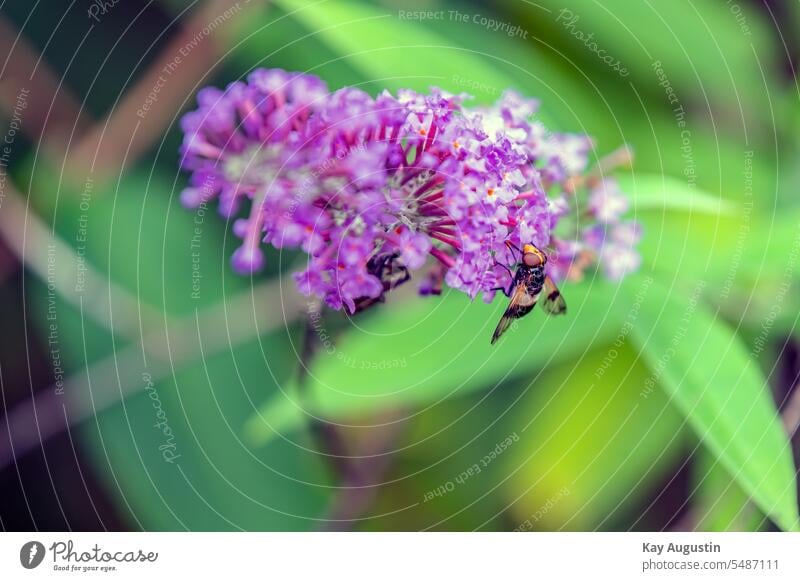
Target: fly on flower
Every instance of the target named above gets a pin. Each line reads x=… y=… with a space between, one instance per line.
x=377 y=191
x=529 y=281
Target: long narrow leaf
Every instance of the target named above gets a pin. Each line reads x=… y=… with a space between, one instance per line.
x=711 y=378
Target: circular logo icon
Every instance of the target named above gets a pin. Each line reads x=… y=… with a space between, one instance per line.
x=31 y=554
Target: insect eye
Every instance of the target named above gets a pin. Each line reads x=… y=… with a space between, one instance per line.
x=532 y=259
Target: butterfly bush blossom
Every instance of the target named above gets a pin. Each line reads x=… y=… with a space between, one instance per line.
x=379 y=190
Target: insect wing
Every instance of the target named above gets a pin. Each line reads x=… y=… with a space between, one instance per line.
x=553 y=302
x=521 y=304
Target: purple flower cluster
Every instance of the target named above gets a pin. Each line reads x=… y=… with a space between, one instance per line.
x=374 y=190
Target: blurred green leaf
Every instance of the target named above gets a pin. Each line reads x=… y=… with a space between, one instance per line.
x=718 y=502
x=429 y=350
x=745 y=256
x=760 y=281
x=269 y=37
x=591 y=447
x=135 y=232
x=709 y=50
x=388 y=51
x=650 y=192
x=684 y=235
x=131 y=233
x=199 y=475
x=717 y=385
x=449 y=449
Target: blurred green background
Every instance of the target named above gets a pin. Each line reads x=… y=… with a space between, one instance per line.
x=146 y=386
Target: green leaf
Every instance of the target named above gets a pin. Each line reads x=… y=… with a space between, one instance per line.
x=452 y=446
x=760 y=280
x=269 y=37
x=707 y=49
x=172 y=454
x=391 y=52
x=593 y=448
x=651 y=192
x=744 y=255
x=718 y=502
x=133 y=235
x=429 y=350
x=685 y=230
x=710 y=377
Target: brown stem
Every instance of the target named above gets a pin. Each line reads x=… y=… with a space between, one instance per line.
x=357 y=468
x=327 y=439
x=369 y=463
x=147 y=109
x=50 y=112
x=621 y=157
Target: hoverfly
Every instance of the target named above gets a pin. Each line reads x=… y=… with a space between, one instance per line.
x=528 y=283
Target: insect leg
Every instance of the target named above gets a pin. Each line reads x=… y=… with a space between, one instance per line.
x=506 y=291
x=510 y=274
x=508 y=268
x=511 y=246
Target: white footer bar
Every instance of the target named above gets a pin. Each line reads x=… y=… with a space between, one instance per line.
x=406 y=556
